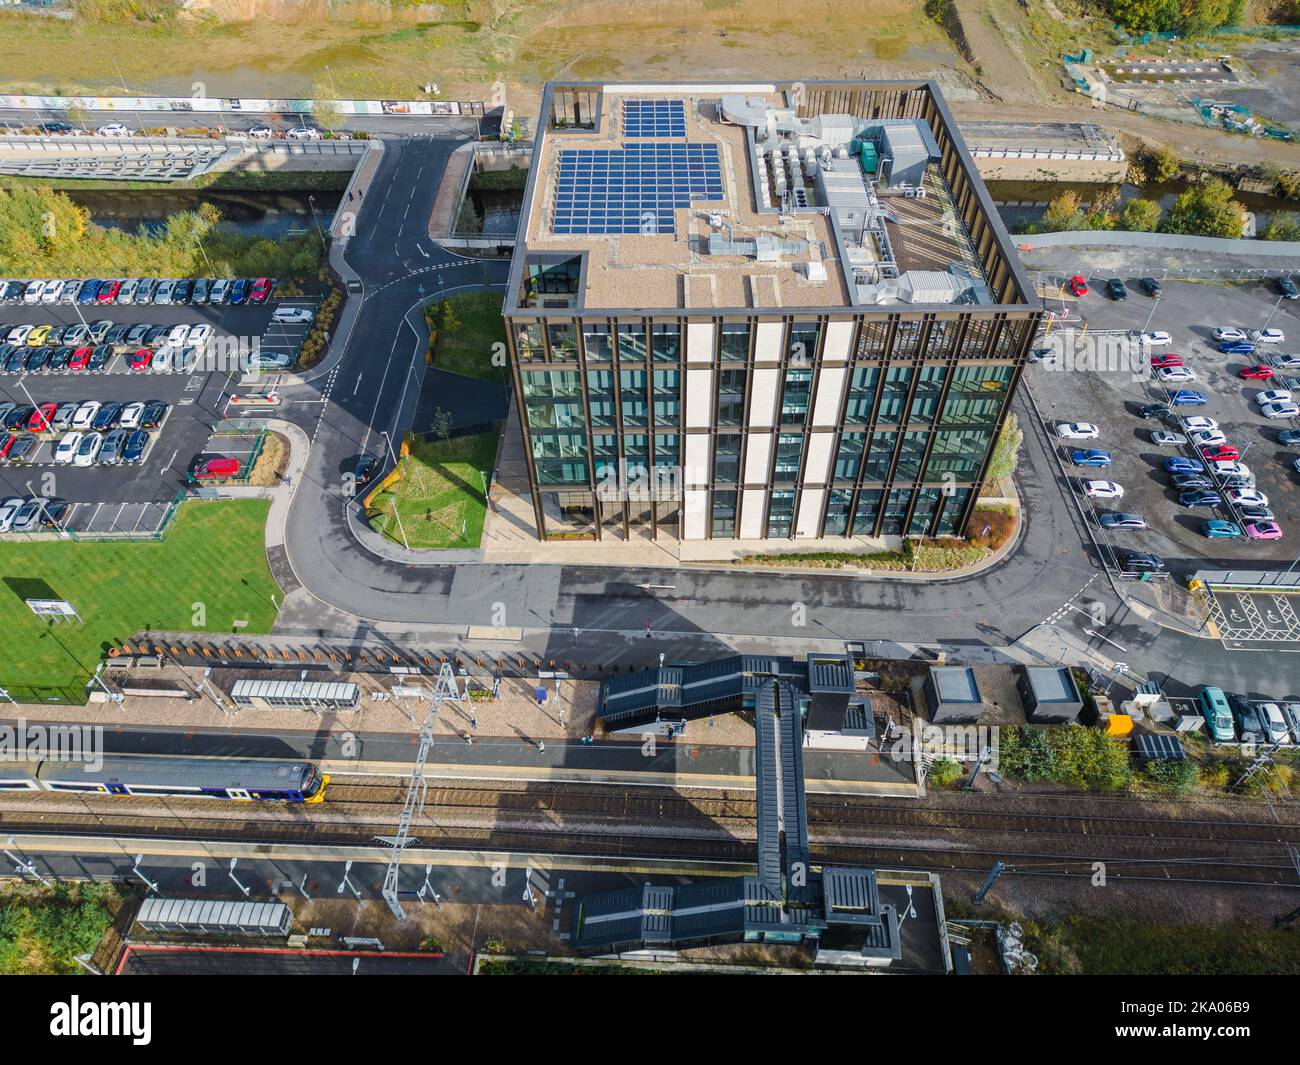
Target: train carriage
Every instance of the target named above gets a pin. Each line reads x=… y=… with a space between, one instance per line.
x=216 y=778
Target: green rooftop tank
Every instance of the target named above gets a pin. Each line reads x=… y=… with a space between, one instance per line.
x=870 y=161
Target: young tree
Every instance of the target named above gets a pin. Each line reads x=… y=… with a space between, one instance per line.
x=1285 y=226
x=1206 y=210
x=1063 y=214
x=1140 y=216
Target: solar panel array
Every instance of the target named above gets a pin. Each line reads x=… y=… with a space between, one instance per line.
x=633 y=189
x=654 y=118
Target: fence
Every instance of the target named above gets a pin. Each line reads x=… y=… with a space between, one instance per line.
x=1162 y=242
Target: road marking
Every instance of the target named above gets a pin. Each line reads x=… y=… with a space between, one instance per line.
x=358 y=384
x=171 y=460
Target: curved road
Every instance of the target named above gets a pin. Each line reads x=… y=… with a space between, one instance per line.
x=335 y=587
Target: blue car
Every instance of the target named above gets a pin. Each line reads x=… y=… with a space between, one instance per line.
x=239 y=292
x=1188 y=397
x=89 y=291
x=1217 y=529
x=1237 y=347
x=1092 y=456
x=1177 y=464
x=135 y=446
x=1185 y=482
x=1199 y=499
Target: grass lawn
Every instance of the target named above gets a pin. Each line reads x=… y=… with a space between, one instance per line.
x=438 y=493
x=209 y=572
x=469 y=349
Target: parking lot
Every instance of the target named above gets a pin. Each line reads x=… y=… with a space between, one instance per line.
x=1103 y=379
x=129 y=498
x=1256 y=620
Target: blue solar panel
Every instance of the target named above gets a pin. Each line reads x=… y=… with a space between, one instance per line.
x=653 y=118
x=633 y=189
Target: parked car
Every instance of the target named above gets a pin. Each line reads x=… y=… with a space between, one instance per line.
x=8 y=508
x=79 y=360
x=199 y=293
x=198 y=336
x=113 y=129
x=1150 y=286
x=1273 y=722
x=107 y=417
x=1178 y=464
x=1255 y=514
x=41 y=418
x=1155 y=410
x=131 y=415
x=291 y=315
x=1188 y=397
x=302 y=133
x=1090 y=457
x=1267 y=336
x=1199 y=498
x=66 y=450
x=1196 y=423
x=1185 y=481
x=267 y=360
x=136 y=445
x=1218 y=529
x=154 y=412
x=89 y=291
x=32 y=293
x=1156 y=338
x=99 y=358
x=1273 y=395
x=57 y=129
x=99 y=329
x=262 y=132
x=1287 y=288
x=162 y=296
x=1229 y=333
x=368 y=465
x=50 y=291
x=1078 y=285
x=19 y=334
x=1280 y=410
x=1117 y=519
x=220 y=292
x=260 y=290
x=1176 y=374
x=1164 y=438
x=126 y=294
x=144 y=293
x=1207 y=437
x=1257 y=372
x=1292 y=712
x=1220 y=453
x=1103 y=490
x=1250 y=497
x=239 y=292
x=181 y=292
x=1237 y=347
x=88 y=449
x=1077 y=431
x=1159 y=362
x=64 y=415
x=215 y=468
x=1213 y=705
x=140 y=360
x=110 y=453
x=68 y=293
x=1116 y=289
x=18 y=416
x=108 y=292
x=1283 y=361
x=21 y=449
x=85 y=414
x=1140 y=562
x=1264 y=530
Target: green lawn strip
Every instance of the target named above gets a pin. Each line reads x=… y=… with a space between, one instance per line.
x=469 y=349
x=439 y=493
x=207 y=573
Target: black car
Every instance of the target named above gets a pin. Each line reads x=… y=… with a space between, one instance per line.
x=107 y=417
x=154 y=335
x=56 y=334
x=1155 y=410
x=135 y=335
x=1287 y=288
x=152 y=415
x=1150 y=286
x=22 y=448
x=364 y=471
x=1186 y=481
x=59 y=360
x=55 y=127
x=117 y=335
x=40 y=359
x=53 y=513
x=13 y=291
x=1290 y=437
x=1140 y=561
x=18 y=417
x=135 y=446
x=17 y=360
x=99 y=358
x=183 y=291
x=1116 y=290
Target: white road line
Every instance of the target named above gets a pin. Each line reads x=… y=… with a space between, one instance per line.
x=358 y=384
x=171 y=460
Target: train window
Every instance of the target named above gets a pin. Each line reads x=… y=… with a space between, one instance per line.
x=161 y=789
x=268 y=795
x=18 y=785
x=56 y=786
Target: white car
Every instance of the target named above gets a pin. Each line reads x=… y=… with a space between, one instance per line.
x=302 y=133
x=113 y=129
x=1274 y=722
x=1156 y=338
x=68 y=293
x=1208 y=437
x=1198 y=423
x=32 y=293
x=291 y=315
x=1284 y=362
x=162 y=295
x=1280 y=410
x=1267 y=336
x=220 y=292
x=88 y=449
x=1102 y=490
x=77 y=335
x=1077 y=431
x=1228 y=333
x=1273 y=395
x=1232 y=468
x=1164 y=438
x=199 y=335
x=1176 y=373
x=261 y=131
x=131 y=415
x=178 y=334
x=162 y=360
x=266 y=360
x=66 y=450
x=19 y=334
x=8 y=509
x=50 y=291
x=85 y=414
x=1247 y=497
x=126 y=294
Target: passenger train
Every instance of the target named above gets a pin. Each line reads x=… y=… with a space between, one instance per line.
x=246 y=779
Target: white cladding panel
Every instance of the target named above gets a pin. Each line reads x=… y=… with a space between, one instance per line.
x=751 y=513
x=839 y=338
x=697 y=459
x=767 y=341
x=810 y=511
x=818 y=465
x=699 y=398
x=762 y=399
x=695 y=503
x=830 y=387
x=699 y=342
x=757 y=457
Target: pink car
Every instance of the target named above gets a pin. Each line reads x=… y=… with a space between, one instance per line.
x=1264 y=530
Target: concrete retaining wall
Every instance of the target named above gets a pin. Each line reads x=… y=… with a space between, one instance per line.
x=1162 y=242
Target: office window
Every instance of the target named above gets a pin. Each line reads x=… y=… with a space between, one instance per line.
x=943 y=339
x=564 y=341
x=604 y=445
x=848 y=460
x=724 y=513
x=908 y=467
x=895 y=512
x=597 y=342
x=794 y=400
x=803 y=342
x=549 y=384
x=789 y=450
x=667 y=406
x=528 y=342
x=863 y=382
x=734 y=341
x=864 y=516
x=560 y=458
x=894 y=394
x=925 y=400
x=837 y=512
x=780 y=511
x=726 y=459
x=1010 y=337
x=879 y=455
x=731 y=397
x=631 y=342
x=981 y=379
x=632 y=386
x=554 y=414
x=957 y=452
x=665 y=342
x=927 y=501
x=872 y=338
x=953 y=505
x=667 y=449
x=964 y=408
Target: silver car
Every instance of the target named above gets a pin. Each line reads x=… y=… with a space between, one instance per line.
x=162 y=296
x=110 y=452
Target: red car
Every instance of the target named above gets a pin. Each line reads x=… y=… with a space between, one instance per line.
x=141 y=359
x=260 y=290
x=108 y=292
x=1078 y=285
x=6 y=442
x=1160 y=361
x=79 y=360
x=1220 y=453
x=1258 y=372
x=40 y=420
x=216 y=468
